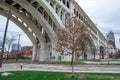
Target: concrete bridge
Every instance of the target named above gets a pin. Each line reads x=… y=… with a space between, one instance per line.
x=39 y=19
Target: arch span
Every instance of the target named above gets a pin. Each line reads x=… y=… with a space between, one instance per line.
x=30 y=28
x=39 y=19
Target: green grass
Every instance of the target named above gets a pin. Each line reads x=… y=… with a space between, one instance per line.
x=56 y=62
x=37 y=75
x=43 y=62
x=14 y=60
x=62 y=62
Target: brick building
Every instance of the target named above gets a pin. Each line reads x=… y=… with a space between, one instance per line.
x=27 y=51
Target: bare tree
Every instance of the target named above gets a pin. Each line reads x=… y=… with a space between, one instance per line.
x=0 y=43
x=9 y=41
x=74 y=36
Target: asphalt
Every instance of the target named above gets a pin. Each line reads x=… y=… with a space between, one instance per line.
x=60 y=68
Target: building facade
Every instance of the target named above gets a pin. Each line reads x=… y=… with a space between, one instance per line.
x=27 y=51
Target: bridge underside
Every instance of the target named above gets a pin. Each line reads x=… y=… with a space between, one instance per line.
x=34 y=24
x=38 y=20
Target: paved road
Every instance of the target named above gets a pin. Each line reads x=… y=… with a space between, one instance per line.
x=61 y=68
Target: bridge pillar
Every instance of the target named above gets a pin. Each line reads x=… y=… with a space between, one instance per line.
x=54 y=52
x=36 y=51
x=41 y=53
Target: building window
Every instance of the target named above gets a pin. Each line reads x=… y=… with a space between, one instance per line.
x=35 y=4
x=50 y=21
x=51 y=4
x=45 y=15
x=40 y=28
x=63 y=1
x=40 y=9
x=77 y=13
x=79 y=16
x=68 y=5
x=56 y=10
x=74 y=11
x=61 y=15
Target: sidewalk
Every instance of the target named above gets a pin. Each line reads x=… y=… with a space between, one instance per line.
x=102 y=62
x=60 y=68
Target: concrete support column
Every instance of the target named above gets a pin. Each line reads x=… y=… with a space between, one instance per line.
x=42 y=52
x=71 y=8
x=48 y=18
x=55 y=5
x=98 y=44
x=65 y=2
x=63 y=17
x=36 y=50
x=98 y=38
x=59 y=13
x=54 y=52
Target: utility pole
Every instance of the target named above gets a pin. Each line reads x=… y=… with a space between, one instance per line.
x=4 y=38
x=18 y=46
x=19 y=40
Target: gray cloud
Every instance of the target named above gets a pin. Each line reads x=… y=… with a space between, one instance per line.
x=13 y=30
x=107 y=14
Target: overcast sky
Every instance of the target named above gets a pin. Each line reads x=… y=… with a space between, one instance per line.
x=104 y=13
x=13 y=30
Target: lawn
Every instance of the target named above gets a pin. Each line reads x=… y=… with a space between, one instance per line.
x=58 y=62
x=37 y=75
x=62 y=62
x=43 y=62
x=14 y=60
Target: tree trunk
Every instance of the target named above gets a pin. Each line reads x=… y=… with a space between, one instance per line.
x=1 y=59
x=72 y=63
x=73 y=51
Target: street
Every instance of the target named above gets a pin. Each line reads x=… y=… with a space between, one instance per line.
x=61 y=68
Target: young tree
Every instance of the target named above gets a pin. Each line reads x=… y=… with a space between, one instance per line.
x=74 y=36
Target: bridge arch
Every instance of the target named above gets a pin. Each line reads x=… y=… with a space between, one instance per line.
x=91 y=49
x=30 y=23
x=39 y=19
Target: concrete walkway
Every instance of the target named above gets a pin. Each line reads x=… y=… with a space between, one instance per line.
x=102 y=62
x=60 y=68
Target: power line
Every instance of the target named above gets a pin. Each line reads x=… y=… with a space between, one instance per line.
x=12 y=32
